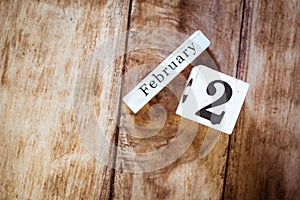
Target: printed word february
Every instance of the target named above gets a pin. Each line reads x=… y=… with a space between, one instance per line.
x=169 y=70
x=165 y=72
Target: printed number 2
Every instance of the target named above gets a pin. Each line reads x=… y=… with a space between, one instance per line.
x=211 y=90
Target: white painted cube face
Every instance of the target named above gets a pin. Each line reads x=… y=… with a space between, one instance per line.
x=212 y=98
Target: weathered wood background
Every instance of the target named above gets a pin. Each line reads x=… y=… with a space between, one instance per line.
x=46 y=45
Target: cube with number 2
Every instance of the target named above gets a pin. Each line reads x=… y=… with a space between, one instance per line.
x=212 y=98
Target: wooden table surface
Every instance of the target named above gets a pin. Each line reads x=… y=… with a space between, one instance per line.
x=47 y=67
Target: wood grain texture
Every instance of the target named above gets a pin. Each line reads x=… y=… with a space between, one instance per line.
x=264 y=159
x=45 y=45
x=188 y=177
x=52 y=61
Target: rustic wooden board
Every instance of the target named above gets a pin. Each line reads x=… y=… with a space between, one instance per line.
x=45 y=47
x=188 y=177
x=53 y=64
x=264 y=158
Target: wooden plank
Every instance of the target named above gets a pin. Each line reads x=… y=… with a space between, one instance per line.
x=45 y=47
x=188 y=177
x=264 y=159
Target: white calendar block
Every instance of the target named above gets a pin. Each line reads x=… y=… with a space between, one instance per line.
x=212 y=98
x=166 y=71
